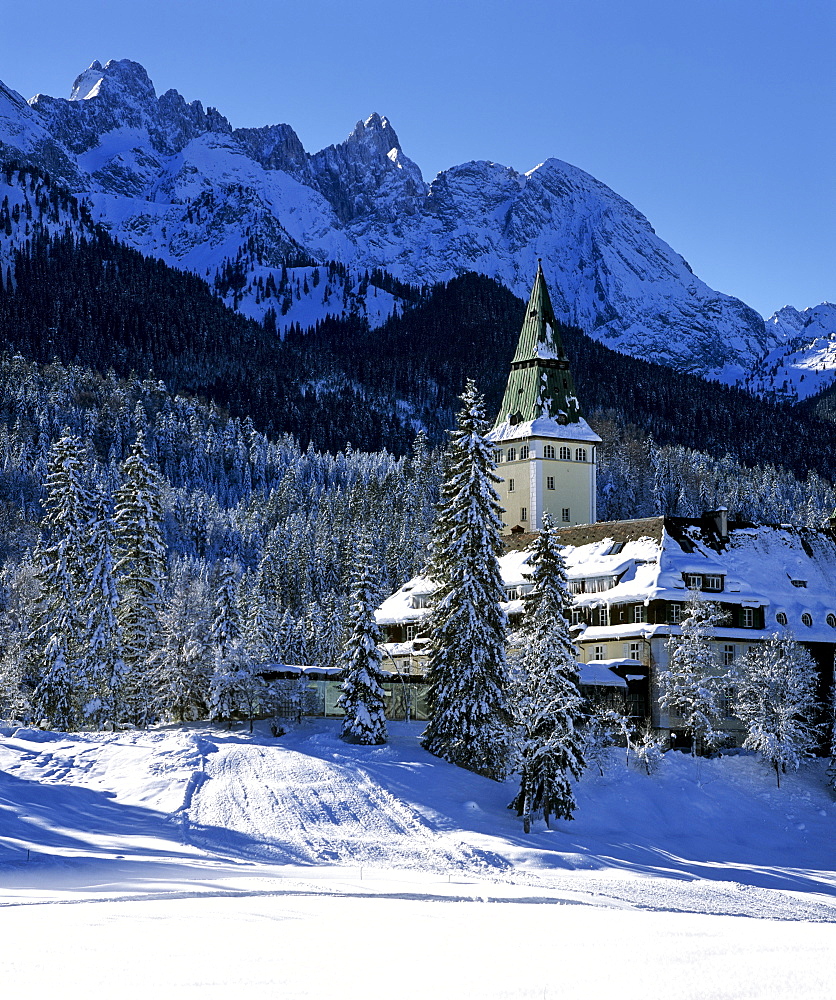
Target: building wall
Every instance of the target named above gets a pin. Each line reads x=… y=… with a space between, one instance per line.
x=574 y=483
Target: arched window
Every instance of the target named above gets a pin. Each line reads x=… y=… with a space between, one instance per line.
x=548 y=451
x=565 y=454
x=831 y=620
x=512 y=454
x=580 y=454
x=781 y=618
x=524 y=451
x=807 y=619
x=497 y=456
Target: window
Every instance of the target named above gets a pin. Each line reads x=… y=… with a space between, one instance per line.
x=632 y=650
x=524 y=451
x=831 y=620
x=781 y=618
x=512 y=454
x=548 y=451
x=728 y=655
x=523 y=513
x=580 y=454
x=510 y=485
x=674 y=613
x=411 y=632
x=565 y=454
x=603 y=616
x=599 y=652
x=639 y=613
x=725 y=701
x=549 y=482
x=576 y=616
x=712 y=583
x=693 y=581
x=565 y=516
x=747 y=617
x=497 y=456
x=807 y=619
x=798 y=583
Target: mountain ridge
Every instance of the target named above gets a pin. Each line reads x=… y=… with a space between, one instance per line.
x=143 y=162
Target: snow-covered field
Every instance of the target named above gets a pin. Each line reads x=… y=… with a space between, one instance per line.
x=199 y=860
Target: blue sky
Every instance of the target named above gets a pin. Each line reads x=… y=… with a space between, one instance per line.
x=714 y=117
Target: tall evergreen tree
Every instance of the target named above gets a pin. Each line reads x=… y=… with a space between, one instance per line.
x=101 y=666
x=776 y=699
x=140 y=571
x=545 y=697
x=362 y=693
x=61 y=560
x=467 y=669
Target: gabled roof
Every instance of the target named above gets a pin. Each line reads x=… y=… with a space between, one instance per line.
x=540 y=384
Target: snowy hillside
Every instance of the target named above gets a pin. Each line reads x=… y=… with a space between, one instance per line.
x=179 y=182
x=303 y=841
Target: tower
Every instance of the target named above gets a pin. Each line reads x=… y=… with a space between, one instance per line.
x=545 y=450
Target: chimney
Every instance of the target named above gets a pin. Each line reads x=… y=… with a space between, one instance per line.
x=720 y=520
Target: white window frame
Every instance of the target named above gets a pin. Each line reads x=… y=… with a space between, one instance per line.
x=566 y=515
x=523 y=513
x=549 y=482
x=565 y=454
x=524 y=452
x=674 y=612
x=747 y=617
x=511 y=485
x=639 y=614
x=580 y=454
x=548 y=451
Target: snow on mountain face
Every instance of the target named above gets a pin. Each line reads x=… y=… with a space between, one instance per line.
x=180 y=183
x=804 y=360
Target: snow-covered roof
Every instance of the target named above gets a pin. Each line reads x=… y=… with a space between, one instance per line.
x=645 y=560
x=598 y=674
x=543 y=427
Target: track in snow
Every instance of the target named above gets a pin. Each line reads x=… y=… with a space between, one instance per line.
x=274 y=803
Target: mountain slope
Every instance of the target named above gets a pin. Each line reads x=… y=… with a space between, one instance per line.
x=178 y=182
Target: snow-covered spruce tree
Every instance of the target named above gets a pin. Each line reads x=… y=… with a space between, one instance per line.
x=362 y=691
x=690 y=686
x=467 y=669
x=59 y=641
x=101 y=667
x=140 y=573
x=776 y=699
x=545 y=698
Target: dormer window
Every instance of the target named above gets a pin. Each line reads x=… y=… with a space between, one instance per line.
x=781 y=618
x=798 y=583
x=711 y=582
x=693 y=581
x=807 y=619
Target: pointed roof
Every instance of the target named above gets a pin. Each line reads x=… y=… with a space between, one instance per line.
x=540 y=383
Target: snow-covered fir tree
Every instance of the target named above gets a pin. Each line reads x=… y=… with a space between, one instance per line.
x=467 y=669
x=140 y=572
x=100 y=666
x=362 y=691
x=776 y=701
x=59 y=643
x=690 y=687
x=545 y=697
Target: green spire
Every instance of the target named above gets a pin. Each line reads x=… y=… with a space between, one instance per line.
x=540 y=383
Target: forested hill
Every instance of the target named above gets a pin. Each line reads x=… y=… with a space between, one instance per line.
x=91 y=301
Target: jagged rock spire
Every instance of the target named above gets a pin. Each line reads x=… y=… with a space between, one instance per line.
x=540 y=383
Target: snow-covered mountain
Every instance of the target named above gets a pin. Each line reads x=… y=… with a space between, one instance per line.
x=804 y=359
x=177 y=181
